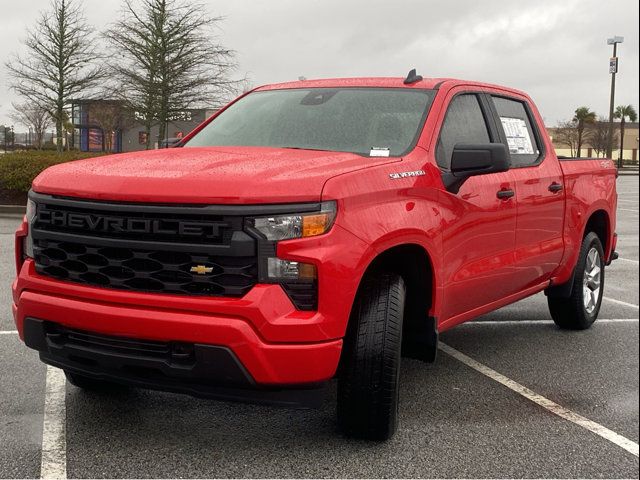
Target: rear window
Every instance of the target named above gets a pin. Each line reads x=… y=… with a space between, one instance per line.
x=366 y=121
x=521 y=139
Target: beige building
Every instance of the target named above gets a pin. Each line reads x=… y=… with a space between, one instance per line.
x=565 y=143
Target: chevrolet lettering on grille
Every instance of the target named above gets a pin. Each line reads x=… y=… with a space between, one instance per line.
x=113 y=224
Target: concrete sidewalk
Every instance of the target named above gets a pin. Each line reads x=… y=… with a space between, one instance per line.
x=12 y=209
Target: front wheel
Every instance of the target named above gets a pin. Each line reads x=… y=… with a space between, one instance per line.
x=368 y=383
x=581 y=308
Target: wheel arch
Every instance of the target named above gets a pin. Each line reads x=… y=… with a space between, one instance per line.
x=414 y=263
x=599 y=222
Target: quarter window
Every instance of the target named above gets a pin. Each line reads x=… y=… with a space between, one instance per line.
x=464 y=123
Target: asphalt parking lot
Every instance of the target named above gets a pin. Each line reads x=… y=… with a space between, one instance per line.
x=456 y=421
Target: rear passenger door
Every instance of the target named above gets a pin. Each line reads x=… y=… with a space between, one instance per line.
x=539 y=192
x=478 y=227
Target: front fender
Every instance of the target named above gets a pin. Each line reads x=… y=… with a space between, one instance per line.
x=386 y=212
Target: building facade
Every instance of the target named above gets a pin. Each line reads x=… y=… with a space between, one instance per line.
x=95 y=120
x=630 y=151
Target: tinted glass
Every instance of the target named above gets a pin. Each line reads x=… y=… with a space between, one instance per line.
x=347 y=120
x=516 y=124
x=464 y=123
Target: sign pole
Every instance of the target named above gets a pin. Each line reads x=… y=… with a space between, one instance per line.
x=613 y=69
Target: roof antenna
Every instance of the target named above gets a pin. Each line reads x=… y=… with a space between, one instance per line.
x=412 y=77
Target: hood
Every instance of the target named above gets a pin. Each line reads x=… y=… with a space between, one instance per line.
x=241 y=175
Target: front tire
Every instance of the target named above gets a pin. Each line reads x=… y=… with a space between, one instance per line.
x=368 y=391
x=581 y=308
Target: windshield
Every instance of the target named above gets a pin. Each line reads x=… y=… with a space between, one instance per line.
x=366 y=121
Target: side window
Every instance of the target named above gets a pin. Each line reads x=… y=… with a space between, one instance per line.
x=464 y=123
x=521 y=138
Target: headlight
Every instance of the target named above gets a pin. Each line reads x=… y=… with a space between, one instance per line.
x=28 y=240
x=285 y=227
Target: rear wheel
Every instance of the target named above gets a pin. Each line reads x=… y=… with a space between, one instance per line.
x=368 y=383
x=581 y=308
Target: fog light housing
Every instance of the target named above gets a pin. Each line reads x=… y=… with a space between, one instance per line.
x=278 y=269
x=298 y=280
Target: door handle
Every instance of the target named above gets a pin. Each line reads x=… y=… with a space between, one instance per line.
x=555 y=187
x=505 y=194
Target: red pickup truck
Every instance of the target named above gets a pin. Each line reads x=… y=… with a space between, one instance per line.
x=310 y=230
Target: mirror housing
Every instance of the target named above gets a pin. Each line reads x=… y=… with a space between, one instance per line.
x=469 y=160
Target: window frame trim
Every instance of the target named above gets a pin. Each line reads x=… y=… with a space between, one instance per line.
x=532 y=121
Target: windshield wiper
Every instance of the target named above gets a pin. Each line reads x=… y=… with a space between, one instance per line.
x=305 y=148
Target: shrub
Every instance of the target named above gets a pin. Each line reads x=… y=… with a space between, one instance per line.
x=18 y=169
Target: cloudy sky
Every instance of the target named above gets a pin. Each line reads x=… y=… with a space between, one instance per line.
x=554 y=50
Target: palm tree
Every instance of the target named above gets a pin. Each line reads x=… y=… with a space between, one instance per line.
x=623 y=112
x=582 y=118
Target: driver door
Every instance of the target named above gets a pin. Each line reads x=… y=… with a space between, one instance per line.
x=479 y=224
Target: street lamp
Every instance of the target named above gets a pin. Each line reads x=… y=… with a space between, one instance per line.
x=613 y=69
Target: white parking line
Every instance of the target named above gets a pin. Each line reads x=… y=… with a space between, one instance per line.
x=8 y=332
x=543 y=322
x=627 y=260
x=620 y=302
x=54 y=440
x=613 y=437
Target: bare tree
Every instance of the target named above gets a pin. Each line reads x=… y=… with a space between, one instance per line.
x=597 y=135
x=566 y=133
x=111 y=117
x=57 y=65
x=33 y=116
x=166 y=60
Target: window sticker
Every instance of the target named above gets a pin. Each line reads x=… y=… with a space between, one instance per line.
x=518 y=137
x=379 y=152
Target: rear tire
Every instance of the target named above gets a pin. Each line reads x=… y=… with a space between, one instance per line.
x=368 y=390
x=581 y=308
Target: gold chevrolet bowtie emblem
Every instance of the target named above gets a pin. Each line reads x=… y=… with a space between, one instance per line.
x=201 y=269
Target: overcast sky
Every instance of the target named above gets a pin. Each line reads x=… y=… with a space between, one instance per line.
x=554 y=50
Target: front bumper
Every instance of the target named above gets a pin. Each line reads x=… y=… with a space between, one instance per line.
x=250 y=326
x=200 y=370
x=275 y=343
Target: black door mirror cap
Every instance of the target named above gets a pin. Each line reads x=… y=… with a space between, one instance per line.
x=468 y=160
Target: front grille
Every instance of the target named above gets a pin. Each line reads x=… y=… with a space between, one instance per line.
x=147 y=248
x=115 y=345
x=145 y=270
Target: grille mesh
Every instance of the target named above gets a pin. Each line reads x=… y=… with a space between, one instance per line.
x=145 y=270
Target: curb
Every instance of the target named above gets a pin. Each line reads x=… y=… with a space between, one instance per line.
x=12 y=209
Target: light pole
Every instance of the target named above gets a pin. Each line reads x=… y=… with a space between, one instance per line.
x=613 y=69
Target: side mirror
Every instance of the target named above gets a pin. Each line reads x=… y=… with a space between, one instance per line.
x=469 y=160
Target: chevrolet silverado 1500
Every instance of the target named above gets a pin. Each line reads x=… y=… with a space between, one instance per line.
x=308 y=231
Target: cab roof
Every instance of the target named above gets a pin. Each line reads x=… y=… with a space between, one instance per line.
x=355 y=82
x=383 y=82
